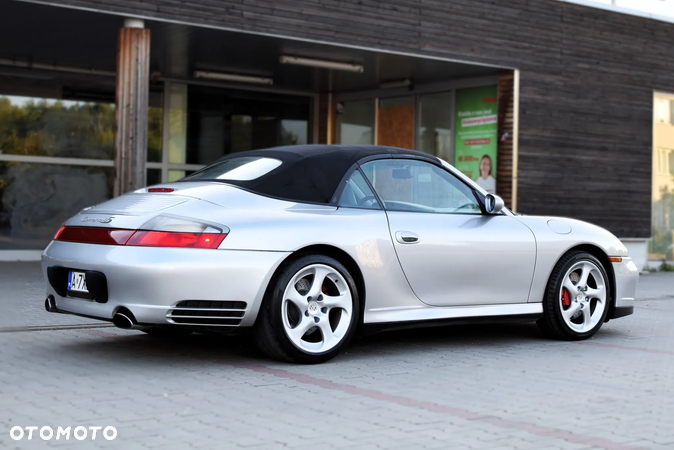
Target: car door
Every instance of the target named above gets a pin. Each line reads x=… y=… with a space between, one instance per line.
x=451 y=252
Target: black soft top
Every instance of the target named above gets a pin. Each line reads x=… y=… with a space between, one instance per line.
x=312 y=173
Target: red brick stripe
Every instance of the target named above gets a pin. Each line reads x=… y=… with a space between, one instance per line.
x=439 y=409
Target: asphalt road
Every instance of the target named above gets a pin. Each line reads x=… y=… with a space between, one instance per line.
x=463 y=387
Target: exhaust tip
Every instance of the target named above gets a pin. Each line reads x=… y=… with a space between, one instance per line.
x=124 y=320
x=50 y=304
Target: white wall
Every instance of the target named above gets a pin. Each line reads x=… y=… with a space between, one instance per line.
x=654 y=9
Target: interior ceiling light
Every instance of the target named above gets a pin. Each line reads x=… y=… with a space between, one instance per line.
x=233 y=77
x=321 y=63
x=54 y=67
x=395 y=84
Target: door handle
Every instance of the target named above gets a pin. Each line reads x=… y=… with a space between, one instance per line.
x=407 y=237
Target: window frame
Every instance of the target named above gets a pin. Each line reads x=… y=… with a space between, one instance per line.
x=337 y=198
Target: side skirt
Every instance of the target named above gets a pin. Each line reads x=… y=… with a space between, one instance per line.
x=373 y=328
x=380 y=319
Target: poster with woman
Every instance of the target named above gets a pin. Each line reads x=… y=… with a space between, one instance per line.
x=476 y=135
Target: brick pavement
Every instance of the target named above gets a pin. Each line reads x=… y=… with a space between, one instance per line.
x=463 y=387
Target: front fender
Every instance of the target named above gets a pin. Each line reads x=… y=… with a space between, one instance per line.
x=555 y=236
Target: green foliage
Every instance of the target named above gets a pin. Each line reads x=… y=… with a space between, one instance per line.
x=56 y=128
x=666 y=267
x=40 y=127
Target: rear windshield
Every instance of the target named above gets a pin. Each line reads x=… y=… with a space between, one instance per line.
x=245 y=168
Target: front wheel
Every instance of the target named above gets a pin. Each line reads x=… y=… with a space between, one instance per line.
x=576 y=299
x=310 y=311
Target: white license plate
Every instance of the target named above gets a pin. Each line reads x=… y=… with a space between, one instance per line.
x=77 y=282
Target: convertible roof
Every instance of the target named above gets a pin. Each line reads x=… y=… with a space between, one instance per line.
x=311 y=173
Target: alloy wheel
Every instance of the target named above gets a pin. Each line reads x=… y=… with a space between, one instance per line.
x=582 y=296
x=316 y=308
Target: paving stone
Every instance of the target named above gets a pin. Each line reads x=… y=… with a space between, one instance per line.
x=463 y=387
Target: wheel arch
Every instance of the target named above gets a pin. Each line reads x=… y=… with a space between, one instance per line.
x=336 y=253
x=601 y=255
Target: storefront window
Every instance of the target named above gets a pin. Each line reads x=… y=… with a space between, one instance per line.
x=435 y=125
x=177 y=123
x=155 y=122
x=36 y=194
x=153 y=176
x=355 y=122
x=294 y=132
x=206 y=123
x=56 y=128
x=663 y=179
x=175 y=175
x=35 y=199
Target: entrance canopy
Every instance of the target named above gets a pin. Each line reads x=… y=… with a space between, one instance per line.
x=75 y=39
x=211 y=93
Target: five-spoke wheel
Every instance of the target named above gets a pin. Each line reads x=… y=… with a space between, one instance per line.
x=577 y=297
x=309 y=312
x=317 y=308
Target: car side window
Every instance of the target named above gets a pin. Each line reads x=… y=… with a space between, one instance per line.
x=357 y=193
x=418 y=186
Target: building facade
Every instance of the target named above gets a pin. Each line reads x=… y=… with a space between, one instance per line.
x=549 y=103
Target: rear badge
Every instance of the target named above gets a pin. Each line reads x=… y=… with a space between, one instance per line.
x=97 y=219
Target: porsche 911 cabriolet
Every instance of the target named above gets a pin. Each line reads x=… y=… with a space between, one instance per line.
x=309 y=245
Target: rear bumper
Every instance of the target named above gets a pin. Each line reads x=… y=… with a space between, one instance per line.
x=150 y=282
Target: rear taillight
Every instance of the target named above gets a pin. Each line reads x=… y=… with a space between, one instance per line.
x=92 y=235
x=173 y=239
x=161 y=231
x=58 y=233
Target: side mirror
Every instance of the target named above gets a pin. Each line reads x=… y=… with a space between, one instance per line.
x=493 y=204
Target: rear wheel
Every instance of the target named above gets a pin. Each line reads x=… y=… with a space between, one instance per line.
x=577 y=298
x=310 y=311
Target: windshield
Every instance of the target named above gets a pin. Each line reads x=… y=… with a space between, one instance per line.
x=245 y=168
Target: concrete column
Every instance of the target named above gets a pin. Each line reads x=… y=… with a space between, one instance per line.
x=133 y=85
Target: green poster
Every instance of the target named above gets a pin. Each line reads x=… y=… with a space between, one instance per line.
x=475 y=137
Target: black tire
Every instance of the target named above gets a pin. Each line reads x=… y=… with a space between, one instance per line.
x=269 y=330
x=552 y=323
x=166 y=332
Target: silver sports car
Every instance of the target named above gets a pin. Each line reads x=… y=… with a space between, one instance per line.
x=309 y=245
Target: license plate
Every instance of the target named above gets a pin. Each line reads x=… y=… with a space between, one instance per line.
x=77 y=282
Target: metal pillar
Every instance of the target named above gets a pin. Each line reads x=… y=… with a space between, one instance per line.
x=133 y=85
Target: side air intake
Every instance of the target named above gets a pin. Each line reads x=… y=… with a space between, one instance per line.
x=207 y=313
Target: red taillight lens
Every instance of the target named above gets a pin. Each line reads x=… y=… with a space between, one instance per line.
x=58 y=233
x=160 y=190
x=93 y=235
x=173 y=239
x=112 y=236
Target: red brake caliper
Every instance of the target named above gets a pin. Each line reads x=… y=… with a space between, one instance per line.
x=566 y=298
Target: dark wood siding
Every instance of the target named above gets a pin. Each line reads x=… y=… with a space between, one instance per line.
x=504 y=156
x=587 y=80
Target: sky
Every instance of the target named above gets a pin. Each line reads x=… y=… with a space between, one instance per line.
x=657 y=7
x=20 y=101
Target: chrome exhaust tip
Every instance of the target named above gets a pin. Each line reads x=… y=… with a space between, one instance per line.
x=124 y=320
x=50 y=304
